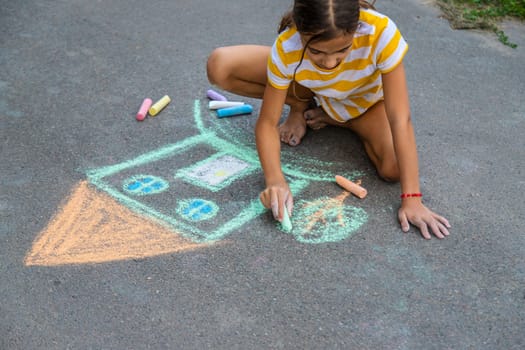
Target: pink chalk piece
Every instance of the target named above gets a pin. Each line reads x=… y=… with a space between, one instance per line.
x=214 y=95
x=143 y=111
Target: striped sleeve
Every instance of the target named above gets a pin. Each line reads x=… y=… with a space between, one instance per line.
x=391 y=48
x=276 y=75
x=285 y=55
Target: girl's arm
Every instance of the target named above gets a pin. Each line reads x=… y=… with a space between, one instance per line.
x=267 y=138
x=398 y=112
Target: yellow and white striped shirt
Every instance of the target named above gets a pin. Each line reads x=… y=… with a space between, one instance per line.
x=348 y=90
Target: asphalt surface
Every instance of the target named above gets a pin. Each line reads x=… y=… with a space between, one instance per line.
x=86 y=265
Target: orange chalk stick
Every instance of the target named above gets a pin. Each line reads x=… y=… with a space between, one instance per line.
x=351 y=187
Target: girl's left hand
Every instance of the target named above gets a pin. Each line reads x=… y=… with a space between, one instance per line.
x=414 y=212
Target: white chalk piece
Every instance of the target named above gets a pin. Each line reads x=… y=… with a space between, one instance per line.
x=236 y=110
x=223 y=104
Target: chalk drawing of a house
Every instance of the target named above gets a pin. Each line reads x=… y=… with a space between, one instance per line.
x=206 y=186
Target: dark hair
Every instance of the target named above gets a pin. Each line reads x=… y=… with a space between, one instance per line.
x=324 y=19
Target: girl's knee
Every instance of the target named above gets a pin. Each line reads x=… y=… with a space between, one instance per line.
x=216 y=67
x=385 y=162
x=389 y=171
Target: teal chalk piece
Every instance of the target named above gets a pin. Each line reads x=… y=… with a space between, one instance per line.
x=197 y=209
x=286 y=224
x=141 y=185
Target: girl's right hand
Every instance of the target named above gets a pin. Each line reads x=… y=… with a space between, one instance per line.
x=278 y=198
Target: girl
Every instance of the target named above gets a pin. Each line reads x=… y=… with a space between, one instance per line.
x=349 y=57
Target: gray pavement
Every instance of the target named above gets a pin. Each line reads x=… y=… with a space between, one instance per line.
x=87 y=262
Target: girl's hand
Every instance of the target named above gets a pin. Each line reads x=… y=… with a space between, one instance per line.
x=414 y=212
x=278 y=198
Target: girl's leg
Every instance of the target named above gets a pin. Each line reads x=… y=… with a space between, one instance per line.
x=239 y=69
x=373 y=129
x=242 y=71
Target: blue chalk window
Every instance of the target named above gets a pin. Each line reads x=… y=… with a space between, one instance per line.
x=197 y=209
x=141 y=185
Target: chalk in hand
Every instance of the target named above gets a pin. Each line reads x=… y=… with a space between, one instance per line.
x=236 y=110
x=223 y=104
x=159 y=105
x=351 y=187
x=214 y=95
x=143 y=110
x=286 y=224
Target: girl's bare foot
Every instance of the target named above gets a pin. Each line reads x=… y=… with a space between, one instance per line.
x=316 y=118
x=293 y=129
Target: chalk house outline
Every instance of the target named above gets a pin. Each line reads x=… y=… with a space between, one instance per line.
x=114 y=214
x=245 y=162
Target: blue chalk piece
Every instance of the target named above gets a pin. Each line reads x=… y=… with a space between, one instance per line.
x=235 y=110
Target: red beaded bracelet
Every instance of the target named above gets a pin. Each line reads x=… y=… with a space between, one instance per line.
x=408 y=195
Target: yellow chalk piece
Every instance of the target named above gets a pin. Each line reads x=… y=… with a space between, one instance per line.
x=159 y=105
